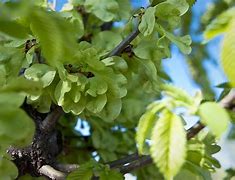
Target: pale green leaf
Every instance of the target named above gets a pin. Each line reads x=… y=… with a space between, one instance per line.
x=147 y=23
x=178 y=94
x=41 y=72
x=219 y=24
x=168 y=148
x=146 y=124
x=228 y=53
x=215 y=117
x=60 y=90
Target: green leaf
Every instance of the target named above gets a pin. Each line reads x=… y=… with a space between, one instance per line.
x=56 y=35
x=22 y=85
x=219 y=24
x=12 y=28
x=97 y=86
x=183 y=43
x=149 y=68
x=168 y=148
x=105 y=41
x=40 y=72
x=103 y=9
x=215 y=117
x=146 y=124
x=165 y=10
x=11 y=99
x=84 y=172
x=96 y=104
x=111 y=174
x=147 y=23
x=228 y=53
x=8 y=170
x=60 y=90
x=181 y=5
x=17 y=121
x=111 y=110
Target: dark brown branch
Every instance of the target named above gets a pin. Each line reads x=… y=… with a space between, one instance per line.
x=194 y=130
x=143 y=161
x=122 y=161
x=117 y=50
x=49 y=122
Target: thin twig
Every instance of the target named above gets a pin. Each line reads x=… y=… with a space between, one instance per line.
x=120 y=47
x=143 y=161
x=122 y=161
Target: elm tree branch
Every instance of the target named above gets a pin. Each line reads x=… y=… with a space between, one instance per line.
x=49 y=122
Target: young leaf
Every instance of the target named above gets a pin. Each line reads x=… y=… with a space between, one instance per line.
x=228 y=53
x=145 y=125
x=41 y=72
x=147 y=22
x=168 y=148
x=215 y=117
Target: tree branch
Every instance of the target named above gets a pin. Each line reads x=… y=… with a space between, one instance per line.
x=120 y=47
x=49 y=122
x=51 y=173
